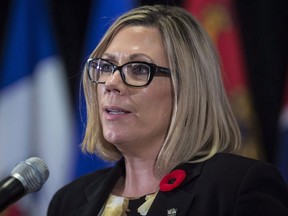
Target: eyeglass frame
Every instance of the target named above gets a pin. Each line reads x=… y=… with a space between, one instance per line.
x=153 y=69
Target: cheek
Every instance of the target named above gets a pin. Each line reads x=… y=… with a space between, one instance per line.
x=158 y=104
x=100 y=95
x=100 y=91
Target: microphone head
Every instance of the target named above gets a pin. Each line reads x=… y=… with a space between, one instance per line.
x=32 y=173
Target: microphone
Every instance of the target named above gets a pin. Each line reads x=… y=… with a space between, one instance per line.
x=28 y=176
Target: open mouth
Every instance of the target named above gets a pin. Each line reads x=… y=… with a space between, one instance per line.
x=114 y=111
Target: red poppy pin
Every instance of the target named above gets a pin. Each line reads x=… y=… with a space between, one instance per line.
x=172 y=180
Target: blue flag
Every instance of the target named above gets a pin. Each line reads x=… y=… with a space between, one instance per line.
x=35 y=111
x=102 y=15
x=282 y=151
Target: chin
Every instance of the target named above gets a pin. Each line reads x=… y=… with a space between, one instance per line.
x=114 y=138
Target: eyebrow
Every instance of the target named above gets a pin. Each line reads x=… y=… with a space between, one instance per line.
x=133 y=57
x=109 y=56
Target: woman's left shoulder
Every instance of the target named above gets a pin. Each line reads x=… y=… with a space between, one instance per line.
x=232 y=163
x=223 y=157
x=231 y=166
x=259 y=186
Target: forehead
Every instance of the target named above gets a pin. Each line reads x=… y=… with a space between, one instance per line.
x=132 y=40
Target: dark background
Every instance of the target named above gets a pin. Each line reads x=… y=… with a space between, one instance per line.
x=264 y=32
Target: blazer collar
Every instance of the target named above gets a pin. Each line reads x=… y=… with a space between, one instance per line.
x=164 y=203
x=98 y=191
x=178 y=201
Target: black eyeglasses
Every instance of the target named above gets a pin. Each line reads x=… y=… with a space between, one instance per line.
x=136 y=73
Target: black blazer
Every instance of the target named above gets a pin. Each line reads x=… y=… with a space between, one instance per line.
x=224 y=185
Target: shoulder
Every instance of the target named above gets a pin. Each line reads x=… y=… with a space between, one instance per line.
x=74 y=194
x=95 y=178
x=230 y=166
x=247 y=184
x=85 y=180
x=232 y=158
x=227 y=163
x=79 y=184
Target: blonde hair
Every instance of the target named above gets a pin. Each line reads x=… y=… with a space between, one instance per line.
x=202 y=122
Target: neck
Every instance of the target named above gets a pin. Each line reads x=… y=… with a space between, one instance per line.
x=140 y=178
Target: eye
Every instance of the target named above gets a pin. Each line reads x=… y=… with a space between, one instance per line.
x=93 y=65
x=105 y=67
x=139 y=69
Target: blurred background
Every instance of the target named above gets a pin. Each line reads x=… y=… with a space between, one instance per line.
x=43 y=49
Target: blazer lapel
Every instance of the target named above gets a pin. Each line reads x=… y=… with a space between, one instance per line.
x=98 y=192
x=173 y=203
x=180 y=200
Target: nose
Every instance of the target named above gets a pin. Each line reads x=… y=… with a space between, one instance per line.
x=114 y=83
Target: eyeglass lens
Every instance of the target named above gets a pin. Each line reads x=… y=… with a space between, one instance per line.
x=134 y=73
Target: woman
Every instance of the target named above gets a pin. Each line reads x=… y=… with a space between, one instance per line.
x=156 y=104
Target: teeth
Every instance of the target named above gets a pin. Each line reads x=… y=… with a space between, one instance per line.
x=115 y=112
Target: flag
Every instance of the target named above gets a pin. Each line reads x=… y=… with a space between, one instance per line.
x=35 y=111
x=219 y=19
x=282 y=151
x=102 y=14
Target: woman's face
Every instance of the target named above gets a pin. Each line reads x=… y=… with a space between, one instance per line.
x=135 y=117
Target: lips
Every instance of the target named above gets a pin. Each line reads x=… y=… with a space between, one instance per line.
x=116 y=111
